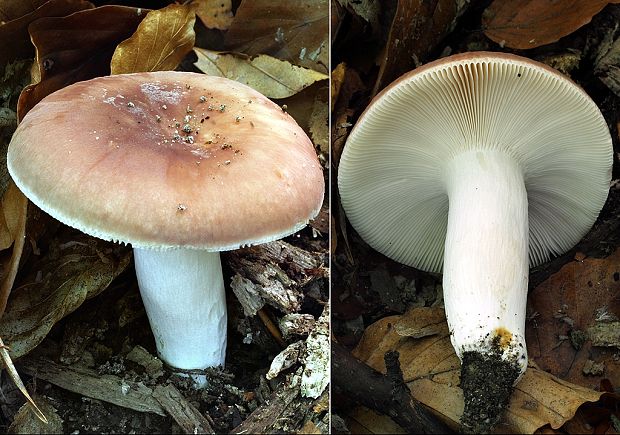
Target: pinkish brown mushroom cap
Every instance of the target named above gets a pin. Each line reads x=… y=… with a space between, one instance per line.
x=168 y=159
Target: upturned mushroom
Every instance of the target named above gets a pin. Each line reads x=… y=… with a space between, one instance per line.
x=479 y=165
x=180 y=166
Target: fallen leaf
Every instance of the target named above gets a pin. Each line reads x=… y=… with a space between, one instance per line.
x=351 y=85
x=58 y=283
x=607 y=67
x=24 y=422
x=336 y=79
x=368 y=10
x=418 y=27
x=431 y=370
x=524 y=24
x=295 y=31
x=333 y=236
x=15 y=206
x=301 y=105
x=577 y=301
x=75 y=48
x=214 y=14
x=270 y=76
x=160 y=42
x=362 y=420
x=319 y=121
x=12 y=9
x=20 y=14
x=12 y=210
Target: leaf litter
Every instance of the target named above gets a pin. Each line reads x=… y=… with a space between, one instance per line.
x=75 y=320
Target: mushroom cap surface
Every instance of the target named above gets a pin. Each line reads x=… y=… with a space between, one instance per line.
x=390 y=173
x=168 y=159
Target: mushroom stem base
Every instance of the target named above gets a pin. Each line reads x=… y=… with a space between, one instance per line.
x=485 y=270
x=487 y=382
x=183 y=294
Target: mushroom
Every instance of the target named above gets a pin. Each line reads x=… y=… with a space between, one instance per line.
x=180 y=166
x=483 y=165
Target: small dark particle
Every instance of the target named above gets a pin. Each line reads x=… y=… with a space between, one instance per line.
x=226 y=146
x=181 y=207
x=187 y=86
x=48 y=64
x=284 y=108
x=130 y=104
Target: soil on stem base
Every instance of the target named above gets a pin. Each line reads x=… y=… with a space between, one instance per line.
x=487 y=381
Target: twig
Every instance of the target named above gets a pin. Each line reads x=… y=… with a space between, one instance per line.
x=387 y=394
x=271 y=327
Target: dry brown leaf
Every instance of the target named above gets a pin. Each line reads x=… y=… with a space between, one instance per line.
x=19 y=14
x=432 y=372
x=363 y=420
x=319 y=121
x=12 y=211
x=368 y=10
x=214 y=14
x=76 y=47
x=575 y=302
x=418 y=26
x=343 y=110
x=272 y=77
x=25 y=423
x=336 y=79
x=58 y=283
x=160 y=42
x=14 y=200
x=527 y=24
x=606 y=67
x=13 y=9
x=295 y=31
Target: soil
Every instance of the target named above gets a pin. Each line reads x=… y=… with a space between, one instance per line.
x=487 y=383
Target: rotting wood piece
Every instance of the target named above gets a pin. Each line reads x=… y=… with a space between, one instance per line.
x=87 y=382
x=274 y=273
x=387 y=394
x=285 y=411
x=183 y=412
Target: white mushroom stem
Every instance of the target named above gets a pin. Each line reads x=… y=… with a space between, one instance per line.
x=183 y=294
x=485 y=271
